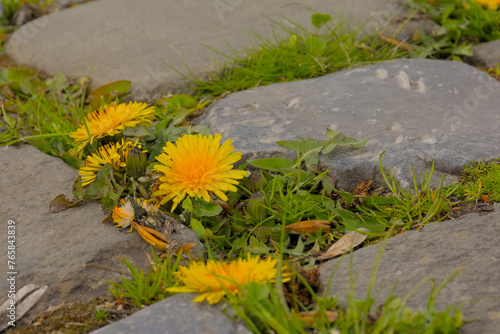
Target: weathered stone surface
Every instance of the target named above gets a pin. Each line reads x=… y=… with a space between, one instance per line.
x=132 y=40
x=469 y=243
x=175 y=315
x=487 y=54
x=416 y=110
x=51 y=248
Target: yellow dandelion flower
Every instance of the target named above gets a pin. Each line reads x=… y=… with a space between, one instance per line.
x=109 y=121
x=106 y=154
x=195 y=166
x=213 y=279
x=491 y=4
x=125 y=212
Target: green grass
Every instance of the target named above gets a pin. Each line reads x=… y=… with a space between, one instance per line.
x=43 y=112
x=296 y=54
x=480 y=179
x=263 y=307
x=461 y=24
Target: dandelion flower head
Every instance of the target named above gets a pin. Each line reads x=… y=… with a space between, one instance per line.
x=94 y=162
x=491 y=4
x=213 y=279
x=110 y=120
x=196 y=165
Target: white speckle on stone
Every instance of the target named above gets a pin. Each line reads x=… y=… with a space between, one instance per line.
x=291 y=103
x=399 y=139
x=334 y=126
x=335 y=109
x=455 y=91
x=396 y=127
x=440 y=84
x=419 y=86
x=429 y=139
x=381 y=73
x=325 y=93
x=402 y=79
x=357 y=70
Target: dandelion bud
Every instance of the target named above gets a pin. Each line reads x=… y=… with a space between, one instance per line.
x=256 y=182
x=136 y=162
x=255 y=208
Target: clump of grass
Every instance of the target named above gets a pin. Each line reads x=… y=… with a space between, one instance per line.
x=300 y=54
x=461 y=24
x=411 y=208
x=480 y=179
x=100 y=314
x=263 y=308
x=147 y=288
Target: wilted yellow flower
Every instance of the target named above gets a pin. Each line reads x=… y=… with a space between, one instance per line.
x=213 y=279
x=109 y=121
x=126 y=212
x=491 y=4
x=95 y=161
x=195 y=166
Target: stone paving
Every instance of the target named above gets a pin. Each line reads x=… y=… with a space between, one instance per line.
x=132 y=40
x=469 y=244
x=417 y=110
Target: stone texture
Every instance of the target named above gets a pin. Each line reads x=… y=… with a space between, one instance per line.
x=487 y=54
x=51 y=248
x=469 y=243
x=417 y=110
x=176 y=314
x=132 y=40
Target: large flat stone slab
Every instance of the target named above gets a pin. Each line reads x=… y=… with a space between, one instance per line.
x=51 y=248
x=469 y=243
x=487 y=54
x=416 y=110
x=174 y=315
x=131 y=40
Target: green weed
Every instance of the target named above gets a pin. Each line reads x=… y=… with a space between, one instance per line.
x=461 y=24
x=300 y=54
x=100 y=314
x=410 y=208
x=147 y=288
x=480 y=179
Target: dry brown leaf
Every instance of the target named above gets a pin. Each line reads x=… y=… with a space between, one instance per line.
x=344 y=244
x=400 y=44
x=310 y=226
x=33 y=293
x=225 y=206
x=186 y=248
x=308 y=317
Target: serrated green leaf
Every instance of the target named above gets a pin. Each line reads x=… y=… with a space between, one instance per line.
x=196 y=226
x=257 y=247
x=100 y=187
x=105 y=93
x=272 y=164
x=318 y=19
x=187 y=204
x=329 y=148
x=303 y=145
x=205 y=209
